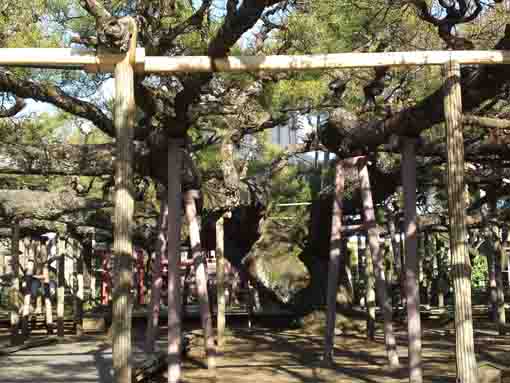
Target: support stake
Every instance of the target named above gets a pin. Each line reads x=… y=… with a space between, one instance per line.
x=124 y=206
x=467 y=371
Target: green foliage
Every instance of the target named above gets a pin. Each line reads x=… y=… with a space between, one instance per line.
x=479 y=270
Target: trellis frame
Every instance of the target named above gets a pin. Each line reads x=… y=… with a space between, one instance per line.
x=88 y=60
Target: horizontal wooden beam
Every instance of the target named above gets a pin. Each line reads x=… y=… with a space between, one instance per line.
x=324 y=61
x=86 y=59
x=66 y=58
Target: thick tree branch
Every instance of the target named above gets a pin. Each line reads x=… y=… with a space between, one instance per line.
x=487 y=122
x=234 y=26
x=53 y=95
x=95 y=8
x=44 y=205
x=348 y=135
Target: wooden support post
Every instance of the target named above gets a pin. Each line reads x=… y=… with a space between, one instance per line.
x=140 y=271
x=394 y=244
x=378 y=261
x=28 y=252
x=80 y=293
x=38 y=265
x=467 y=370
x=93 y=291
x=408 y=165
x=175 y=163
x=500 y=290
x=15 y=300
x=157 y=279
x=370 y=292
x=124 y=118
x=220 y=282
x=48 y=313
x=199 y=263
x=61 y=286
x=334 y=261
x=361 y=268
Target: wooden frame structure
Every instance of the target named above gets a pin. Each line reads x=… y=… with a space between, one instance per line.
x=134 y=61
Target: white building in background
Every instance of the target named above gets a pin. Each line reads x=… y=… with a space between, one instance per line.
x=296 y=130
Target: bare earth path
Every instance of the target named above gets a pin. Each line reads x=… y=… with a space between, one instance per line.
x=259 y=356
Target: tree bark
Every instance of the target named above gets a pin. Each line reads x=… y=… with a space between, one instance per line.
x=412 y=284
x=334 y=262
x=378 y=261
x=175 y=154
x=157 y=278
x=124 y=115
x=15 y=336
x=220 y=282
x=467 y=370
x=200 y=265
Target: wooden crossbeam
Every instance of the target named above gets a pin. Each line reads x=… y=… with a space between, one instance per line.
x=87 y=59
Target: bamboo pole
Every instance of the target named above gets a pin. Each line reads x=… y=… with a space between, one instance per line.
x=157 y=279
x=467 y=371
x=15 y=338
x=124 y=116
x=412 y=261
x=383 y=297
x=84 y=59
x=175 y=158
x=220 y=282
x=334 y=262
x=199 y=263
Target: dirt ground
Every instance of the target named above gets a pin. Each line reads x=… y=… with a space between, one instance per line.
x=260 y=355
